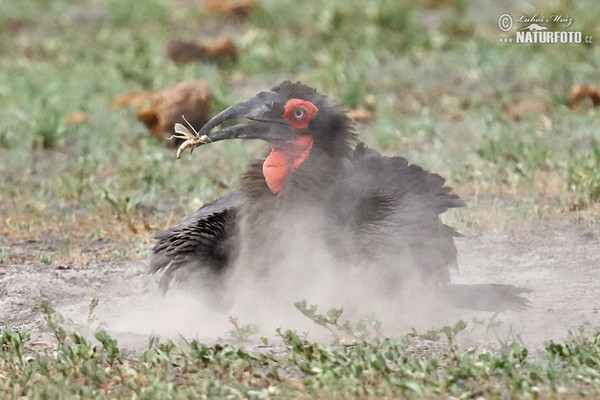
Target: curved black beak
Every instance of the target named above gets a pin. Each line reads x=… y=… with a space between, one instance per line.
x=264 y=130
x=267 y=124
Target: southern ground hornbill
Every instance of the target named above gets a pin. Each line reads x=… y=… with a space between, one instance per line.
x=323 y=198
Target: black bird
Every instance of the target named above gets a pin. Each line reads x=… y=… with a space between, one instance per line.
x=321 y=185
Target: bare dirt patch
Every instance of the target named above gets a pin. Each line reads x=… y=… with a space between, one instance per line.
x=558 y=259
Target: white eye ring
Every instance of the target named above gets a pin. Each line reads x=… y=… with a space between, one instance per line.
x=299 y=112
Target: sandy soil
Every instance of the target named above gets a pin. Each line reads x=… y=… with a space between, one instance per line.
x=558 y=259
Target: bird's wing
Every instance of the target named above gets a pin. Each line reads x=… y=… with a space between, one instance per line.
x=395 y=214
x=396 y=223
x=206 y=239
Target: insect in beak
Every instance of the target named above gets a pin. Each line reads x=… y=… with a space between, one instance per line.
x=191 y=139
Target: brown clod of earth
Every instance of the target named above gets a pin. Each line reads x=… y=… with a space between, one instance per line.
x=76 y=118
x=191 y=99
x=526 y=107
x=230 y=8
x=136 y=99
x=581 y=92
x=361 y=114
x=184 y=51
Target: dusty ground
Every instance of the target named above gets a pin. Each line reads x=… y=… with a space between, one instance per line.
x=558 y=259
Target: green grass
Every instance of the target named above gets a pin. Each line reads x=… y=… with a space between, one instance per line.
x=440 y=87
x=77 y=365
x=432 y=89
x=584 y=178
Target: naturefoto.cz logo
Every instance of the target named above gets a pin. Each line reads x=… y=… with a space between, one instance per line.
x=540 y=29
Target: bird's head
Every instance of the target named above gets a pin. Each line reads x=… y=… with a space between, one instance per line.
x=295 y=120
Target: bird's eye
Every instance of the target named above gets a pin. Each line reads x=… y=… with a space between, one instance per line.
x=299 y=112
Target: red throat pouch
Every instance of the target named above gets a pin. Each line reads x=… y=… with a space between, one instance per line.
x=284 y=158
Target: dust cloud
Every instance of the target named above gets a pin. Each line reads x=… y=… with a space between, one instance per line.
x=292 y=261
x=558 y=259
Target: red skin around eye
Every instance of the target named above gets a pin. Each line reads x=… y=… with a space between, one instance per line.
x=309 y=115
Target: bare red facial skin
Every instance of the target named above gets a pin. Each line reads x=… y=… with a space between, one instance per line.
x=287 y=156
x=299 y=113
x=283 y=159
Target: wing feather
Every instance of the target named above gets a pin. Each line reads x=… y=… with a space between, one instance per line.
x=396 y=214
x=207 y=239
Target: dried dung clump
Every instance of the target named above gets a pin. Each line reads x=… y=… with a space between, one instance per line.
x=231 y=9
x=185 y=51
x=136 y=99
x=526 y=107
x=160 y=111
x=581 y=93
x=361 y=115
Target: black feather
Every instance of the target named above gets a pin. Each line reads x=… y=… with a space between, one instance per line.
x=209 y=238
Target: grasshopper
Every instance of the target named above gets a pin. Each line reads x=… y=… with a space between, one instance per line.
x=191 y=139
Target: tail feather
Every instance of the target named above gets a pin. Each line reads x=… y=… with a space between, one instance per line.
x=487 y=297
